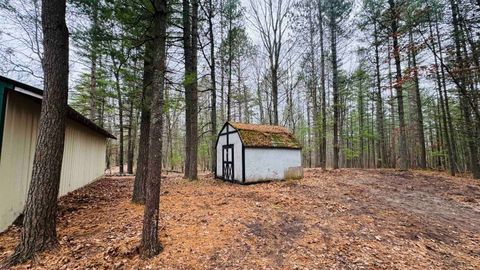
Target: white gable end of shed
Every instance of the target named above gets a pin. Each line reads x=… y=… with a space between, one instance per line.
x=233 y=139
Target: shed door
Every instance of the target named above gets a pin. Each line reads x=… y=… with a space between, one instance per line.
x=227 y=160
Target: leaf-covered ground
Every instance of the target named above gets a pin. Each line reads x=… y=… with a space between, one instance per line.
x=346 y=219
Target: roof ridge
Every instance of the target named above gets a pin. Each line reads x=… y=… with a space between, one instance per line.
x=260 y=127
x=265 y=136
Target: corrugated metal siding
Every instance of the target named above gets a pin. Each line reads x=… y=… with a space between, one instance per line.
x=83 y=161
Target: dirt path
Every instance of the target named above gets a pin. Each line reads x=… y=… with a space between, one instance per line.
x=347 y=219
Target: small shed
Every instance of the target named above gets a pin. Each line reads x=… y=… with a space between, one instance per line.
x=250 y=153
x=83 y=156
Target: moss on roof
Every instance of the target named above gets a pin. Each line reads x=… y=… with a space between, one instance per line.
x=267 y=136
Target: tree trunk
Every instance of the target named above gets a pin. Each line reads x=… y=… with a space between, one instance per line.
x=393 y=157
x=229 y=79
x=260 y=101
x=309 y=138
x=445 y=94
x=143 y=147
x=381 y=149
x=213 y=110
x=418 y=105
x=373 y=159
x=222 y=66
x=398 y=86
x=120 y=120
x=322 y=88
x=190 y=31
x=474 y=128
x=93 y=88
x=39 y=224
x=336 y=94
x=131 y=140
x=343 y=111
x=93 y=58
x=468 y=127
x=274 y=71
x=313 y=86
x=446 y=133
x=150 y=245
x=239 y=91
x=361 y=123
x=246 y=107
x=439 y=142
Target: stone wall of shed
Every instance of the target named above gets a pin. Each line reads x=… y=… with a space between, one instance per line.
x=83 y=161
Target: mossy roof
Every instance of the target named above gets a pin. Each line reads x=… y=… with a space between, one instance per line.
x=267 y=136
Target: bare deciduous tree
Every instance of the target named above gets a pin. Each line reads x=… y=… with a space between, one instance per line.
x=270 y=20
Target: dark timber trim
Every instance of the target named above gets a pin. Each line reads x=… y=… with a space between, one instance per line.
x=4 y=88
x=270 y=147
x=227 y=127
x=218 y=137
x=13 y=83
x=243 y=164
x=216 y=149
x=36 y=94
x=229 y=132
x=228 y=166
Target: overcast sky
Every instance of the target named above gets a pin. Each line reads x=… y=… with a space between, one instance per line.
x=16 y=43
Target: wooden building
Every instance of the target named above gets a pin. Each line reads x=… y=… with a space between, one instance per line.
x=249 y=153
x=84 y=153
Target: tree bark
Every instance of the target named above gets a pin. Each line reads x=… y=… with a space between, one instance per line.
x=93 y=88
x=190 y=32
x=393 y=155
x=418 y=106
x=274 y=71
x=322 y=88
x=222 y=66
x=259 y=98
x=398 y=85
x=309 y=138
x=445 y=94
x=150 y=245
x=131 y=140
x=229 y=62
x=446 y=133
x=468 y=127
x=143 y=147
x=381 y=149
x=93 y=58
x=120 y=119
x=39 y=224
x=213 y=98
x=336 y=94
x=313 y=86
x=361 y=124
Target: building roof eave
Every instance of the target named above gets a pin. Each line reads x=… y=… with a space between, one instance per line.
x=37 y=94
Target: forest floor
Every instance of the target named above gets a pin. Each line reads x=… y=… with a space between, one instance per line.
x=345 y=219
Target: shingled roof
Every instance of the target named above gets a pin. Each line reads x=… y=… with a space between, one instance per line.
x=266 y=136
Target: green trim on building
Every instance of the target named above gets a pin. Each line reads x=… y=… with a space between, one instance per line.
x=3 y=105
